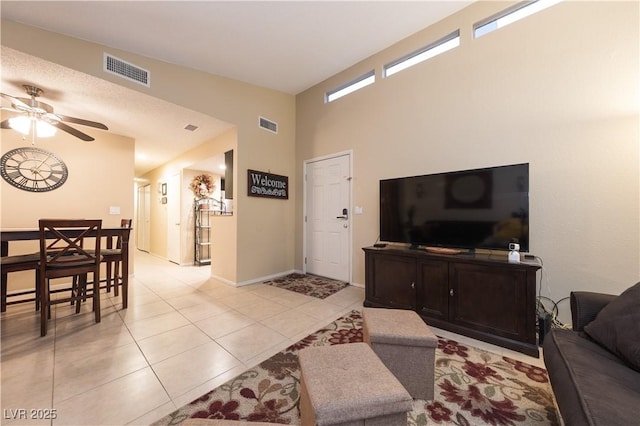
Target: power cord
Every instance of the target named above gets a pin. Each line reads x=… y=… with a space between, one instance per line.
x=541 y=309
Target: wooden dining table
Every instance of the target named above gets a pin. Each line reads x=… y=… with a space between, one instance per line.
x=8 y=235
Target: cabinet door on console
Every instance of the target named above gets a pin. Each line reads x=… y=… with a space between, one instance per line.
x=489 y=299
x=433 y=289
x=393 y=281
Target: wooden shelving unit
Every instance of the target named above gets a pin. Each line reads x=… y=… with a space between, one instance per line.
x=202 y=230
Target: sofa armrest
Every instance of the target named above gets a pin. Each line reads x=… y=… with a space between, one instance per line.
x=585 y=306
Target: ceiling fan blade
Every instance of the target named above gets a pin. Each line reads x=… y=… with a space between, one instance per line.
x=15 y=101
x=83 y=122
x=75 y=132
x=9 y=109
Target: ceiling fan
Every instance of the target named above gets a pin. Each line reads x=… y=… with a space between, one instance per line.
x=38 y=117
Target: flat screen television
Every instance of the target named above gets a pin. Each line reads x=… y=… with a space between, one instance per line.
x=482 y=208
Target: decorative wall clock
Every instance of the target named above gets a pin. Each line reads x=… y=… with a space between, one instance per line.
x=33 y=169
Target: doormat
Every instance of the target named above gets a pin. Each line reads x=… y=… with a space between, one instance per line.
x=310 y=285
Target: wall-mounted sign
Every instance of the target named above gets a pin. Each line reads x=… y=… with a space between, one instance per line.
x=263 y=184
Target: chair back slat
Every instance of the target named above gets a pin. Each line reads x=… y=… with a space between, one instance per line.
x=115 y=242
x=63 y=245
x=124 y=223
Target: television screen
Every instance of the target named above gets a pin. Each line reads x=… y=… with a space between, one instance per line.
x=482 y=208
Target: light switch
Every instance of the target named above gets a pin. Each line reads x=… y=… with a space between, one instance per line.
x=358 y=210
x=114 y=210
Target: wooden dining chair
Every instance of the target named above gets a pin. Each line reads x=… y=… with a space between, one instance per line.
x=62 y=255
x=112 y=255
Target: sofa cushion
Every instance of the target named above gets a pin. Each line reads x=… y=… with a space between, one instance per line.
x=617 y=326
x=592 y=385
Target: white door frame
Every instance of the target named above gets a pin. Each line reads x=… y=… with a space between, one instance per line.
x=348 y=153
x=144 y=207
x=174 y=219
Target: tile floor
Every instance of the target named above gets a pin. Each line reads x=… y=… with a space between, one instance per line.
x=182 y=335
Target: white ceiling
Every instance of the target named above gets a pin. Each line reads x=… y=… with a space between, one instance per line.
x=287 y=46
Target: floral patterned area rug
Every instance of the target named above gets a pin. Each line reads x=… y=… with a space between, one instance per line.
x=311 y=285
x=472 y=387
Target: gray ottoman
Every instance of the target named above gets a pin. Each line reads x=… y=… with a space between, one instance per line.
x=347 y=385
x=405 y=344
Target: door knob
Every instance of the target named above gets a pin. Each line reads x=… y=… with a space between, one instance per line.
x=345 y=215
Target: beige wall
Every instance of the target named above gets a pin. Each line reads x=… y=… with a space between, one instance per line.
x=558 y=90
x=265 y=237
x=93 y=186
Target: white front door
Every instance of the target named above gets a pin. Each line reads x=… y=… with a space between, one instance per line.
x=174 y=241
x=328 y=217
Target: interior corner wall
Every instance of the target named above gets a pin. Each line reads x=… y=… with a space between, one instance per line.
x=265 y=228
x=558 y=90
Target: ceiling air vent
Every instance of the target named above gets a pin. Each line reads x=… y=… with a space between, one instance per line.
x=191 y=127
x=269 y=125
x=126 y=70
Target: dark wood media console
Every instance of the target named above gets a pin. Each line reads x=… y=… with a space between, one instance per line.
x=481 y=296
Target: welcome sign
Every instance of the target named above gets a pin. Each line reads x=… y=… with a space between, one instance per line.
x=263 y=184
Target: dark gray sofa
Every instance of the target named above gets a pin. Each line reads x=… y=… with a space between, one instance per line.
x=593 y=384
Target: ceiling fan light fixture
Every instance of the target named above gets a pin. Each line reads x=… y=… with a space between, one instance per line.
x=39 y=120
x=44 y=129
x=21 y=124
x=24 y=125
